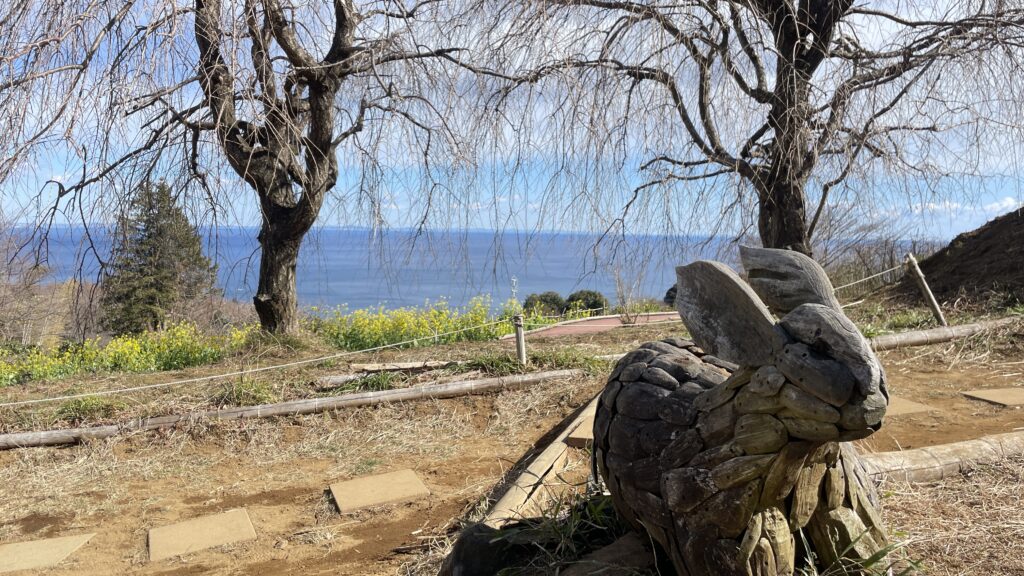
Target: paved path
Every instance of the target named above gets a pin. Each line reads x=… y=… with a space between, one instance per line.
x=600 y=324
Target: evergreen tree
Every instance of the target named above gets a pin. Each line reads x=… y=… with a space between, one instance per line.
x=157 y=262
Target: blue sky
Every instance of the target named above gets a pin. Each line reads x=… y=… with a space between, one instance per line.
x=939 y=216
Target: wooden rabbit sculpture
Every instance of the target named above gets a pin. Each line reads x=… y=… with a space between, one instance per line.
x=725 y=448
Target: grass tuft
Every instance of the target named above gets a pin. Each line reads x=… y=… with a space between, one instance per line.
x=244 y=393
x=90 y=408
x=374 y=382
x=885 y=562
x=548 y=359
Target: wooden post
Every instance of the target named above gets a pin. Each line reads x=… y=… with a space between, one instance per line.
x=517 y=322
x=923 y=285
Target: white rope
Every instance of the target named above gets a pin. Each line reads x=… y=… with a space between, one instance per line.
x=248 y=370
x=882 y=273
x=242 y=372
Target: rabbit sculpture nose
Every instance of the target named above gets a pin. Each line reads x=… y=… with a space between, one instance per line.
x=724 y=447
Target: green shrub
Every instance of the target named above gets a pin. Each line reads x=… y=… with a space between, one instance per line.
x=591 y=300
x=179 y=346
x=546 y=303
x=642 y=306
x=436 y=323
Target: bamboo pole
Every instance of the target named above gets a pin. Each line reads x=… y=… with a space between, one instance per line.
x=524 y=494
x=293 y=407
x=925 y=290
x=937 y=335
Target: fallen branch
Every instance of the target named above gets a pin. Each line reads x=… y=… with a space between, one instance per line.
x=404 y=366
x=937 y=335
x=293 y=407
x=364 y=370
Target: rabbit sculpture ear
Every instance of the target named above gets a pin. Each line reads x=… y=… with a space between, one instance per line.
x=785 y=279
x=724 y=316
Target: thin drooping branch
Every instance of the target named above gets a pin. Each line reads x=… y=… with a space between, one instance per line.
x=279 y=94
x=782 y=94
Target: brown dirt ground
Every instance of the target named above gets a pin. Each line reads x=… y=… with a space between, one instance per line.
x=279 y=470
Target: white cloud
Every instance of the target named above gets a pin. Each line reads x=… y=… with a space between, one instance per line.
x=1001 y=206
x=945 y=206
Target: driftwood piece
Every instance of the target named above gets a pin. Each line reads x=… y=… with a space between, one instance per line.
x=294 y=407
x=785 y=279
x=715 y=303
x=755 y=457
x=828 y=330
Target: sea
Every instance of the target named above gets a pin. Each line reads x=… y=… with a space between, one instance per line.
x=361 y=268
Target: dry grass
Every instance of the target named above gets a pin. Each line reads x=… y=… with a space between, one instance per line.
x=999 y=350
x=286 y=384
x=207 y=456
x=965 y=526
x=96 y=468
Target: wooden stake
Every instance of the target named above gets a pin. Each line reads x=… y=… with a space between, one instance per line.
x=517 y=321
x=923 y=285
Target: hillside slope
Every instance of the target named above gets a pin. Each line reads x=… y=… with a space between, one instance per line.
x=988 y=259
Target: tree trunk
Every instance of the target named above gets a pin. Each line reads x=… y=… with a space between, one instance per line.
x=782 y=217
x=276 y=298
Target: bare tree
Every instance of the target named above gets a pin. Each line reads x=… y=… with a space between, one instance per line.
x=792 y=100
x=281 y=89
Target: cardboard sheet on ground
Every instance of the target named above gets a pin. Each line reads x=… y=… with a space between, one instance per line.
x=1000 y=396
x=390 y=488
x=900 y=406
x=36 y=554
x=200 y=533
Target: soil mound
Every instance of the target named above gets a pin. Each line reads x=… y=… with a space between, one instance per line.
x=982 y=262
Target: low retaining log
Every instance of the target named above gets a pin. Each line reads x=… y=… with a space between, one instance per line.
x=935 y=463
x=938 y=335
x=293 y=407
x=524 y=495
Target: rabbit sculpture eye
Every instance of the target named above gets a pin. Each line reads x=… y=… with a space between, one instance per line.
x=724 y=447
